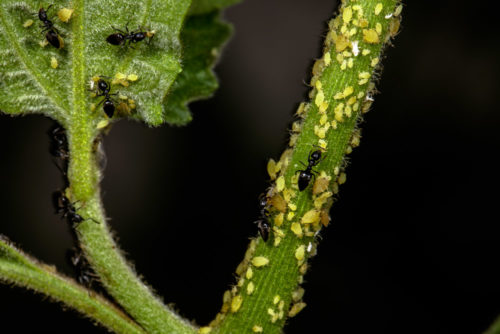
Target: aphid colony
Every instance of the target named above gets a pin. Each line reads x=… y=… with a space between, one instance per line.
x=304 y=179
x=120 y=38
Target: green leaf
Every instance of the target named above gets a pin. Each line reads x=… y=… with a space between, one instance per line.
x=202 y=37
x=204 y=6
x=30 y=85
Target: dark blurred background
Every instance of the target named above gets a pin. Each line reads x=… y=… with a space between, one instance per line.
x=415 y=240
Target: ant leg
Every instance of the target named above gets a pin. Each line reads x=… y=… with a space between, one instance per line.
x=119 y=30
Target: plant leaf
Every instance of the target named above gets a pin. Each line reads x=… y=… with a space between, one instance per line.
x=202 y=37
x=205 y=6
x=29 y=83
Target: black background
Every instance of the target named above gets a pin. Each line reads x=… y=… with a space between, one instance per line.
x=414 y=243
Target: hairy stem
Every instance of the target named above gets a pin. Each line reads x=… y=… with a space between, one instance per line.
x=268 y=290
x=21 y=270
x=97 y=243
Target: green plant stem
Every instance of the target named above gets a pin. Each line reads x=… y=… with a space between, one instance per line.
x=268 y=289
x=97 y=243
x=23 y=271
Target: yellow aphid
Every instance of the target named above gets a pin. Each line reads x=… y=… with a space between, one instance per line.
x=340 y=58
x=28 y=23
x=320 y=200
x=374 y=62
x=278 y=202
x=274 y=315
x=362 y=82
x=341 y=43
x=277 y=241
x=150 y=34
x=323 y=107
x=378 y=28
x=363 y=23
x=348 y=111
x=236 y=303
x=320 y=185
x=292 y=206
x=348 y=91
x=300 y=253
x=351 y=100
x=301 y=108
x=318 y=85
x=355 y=106
x=394 y=27
x=338 y=96
x=123 y=109
x=310 y=217
x=132 y=77
x=260 y=261
x=249 y=273
x=325 y=218
x=347 y=14
x=378 y=8
x=365 y=52
x=297 y=229
x=278 y=219
x=350 y=63
x=298 y=294
x=320 y=97
x=334 y=124
x=323 y=119
x=280 y=183
x=290 y=215
x=120 y=76
x=271 y=164
x=92 y=105
x=364 y=75
x=64 y=14
x=343 y=66
x=342 y=178
x=370 y=36
x=102 y=124
x=250 y=288
x=257 y=329
x=241 y=281
x=204 y=330
x=53 y=62
x=296 y=308
x=327 y=58
x=276 y=299
x=398 y=10
x=303 y=269
x=322 y=143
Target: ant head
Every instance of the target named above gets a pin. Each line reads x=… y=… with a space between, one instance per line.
x=102 y=85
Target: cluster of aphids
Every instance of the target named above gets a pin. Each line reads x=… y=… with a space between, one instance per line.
x=304 y=179
x=119 y=38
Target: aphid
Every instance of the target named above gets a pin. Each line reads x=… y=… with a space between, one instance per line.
x=52 y=34
x=108 y=105
x=263 y=223
x=122 y=37
x=307 y=174
x=63 y=204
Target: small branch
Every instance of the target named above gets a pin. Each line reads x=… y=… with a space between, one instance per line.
x=268 y=290
x=97 y=243
x=21 y=270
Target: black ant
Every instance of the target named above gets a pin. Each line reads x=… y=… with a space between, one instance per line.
x=84 y=273
x=59 y=149
x=51 y=34
x=263 y=223
x=103 y=89
x=122 y=37
x=63 y=204
x=306 y=175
